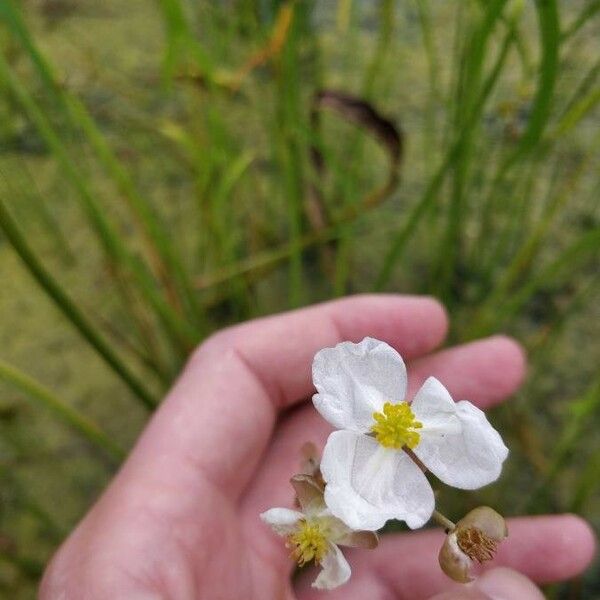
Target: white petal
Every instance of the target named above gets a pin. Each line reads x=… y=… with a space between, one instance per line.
x=458 y=444
x=282 y=520
x=355 y=380
x=335 y=570
x=368 y=484
x=337 y=530
x=360 y=539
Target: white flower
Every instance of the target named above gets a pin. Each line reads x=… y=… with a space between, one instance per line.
x=314 y=533
x=370 y=475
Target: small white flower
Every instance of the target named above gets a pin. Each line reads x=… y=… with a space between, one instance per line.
x=314 y=533
x=369 y=474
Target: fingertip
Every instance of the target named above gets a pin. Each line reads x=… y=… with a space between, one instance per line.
x=429 y=315
x=483 y=371
x=414 y=325
x=548 y=548
x=441 y=317
x=435 y=304
x=503 y=361
x=577 y=543
x=512 y=359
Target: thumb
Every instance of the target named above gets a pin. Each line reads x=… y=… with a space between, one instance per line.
x=496 y=584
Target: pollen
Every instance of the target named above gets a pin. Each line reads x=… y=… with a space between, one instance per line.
x=476 y=544
x=308 y=542
x=396 y=426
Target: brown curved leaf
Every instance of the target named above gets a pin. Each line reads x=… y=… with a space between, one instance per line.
x=364 y=115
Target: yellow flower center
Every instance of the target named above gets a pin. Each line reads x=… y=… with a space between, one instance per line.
x=395 y=426
x=309 y=542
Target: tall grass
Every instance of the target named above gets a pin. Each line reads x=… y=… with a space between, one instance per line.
x=251 y=161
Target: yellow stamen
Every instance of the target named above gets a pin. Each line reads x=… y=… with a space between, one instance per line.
x=395 y=426
x=309 y=542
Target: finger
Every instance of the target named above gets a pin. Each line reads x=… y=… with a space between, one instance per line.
x=545 y=549
x=485 y=372
x=215 y=422
x=497 y=583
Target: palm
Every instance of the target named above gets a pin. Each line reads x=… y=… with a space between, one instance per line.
x=180 y=520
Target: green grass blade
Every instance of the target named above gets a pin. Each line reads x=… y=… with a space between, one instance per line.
x=221 y=205
x=400 y=240
x=471 y=89
x=491 y=318
x=43 y=397
x=181 y=40
x=162 y=252
x=573 y=431
x=434 y=93
x=588 y=483
x=583 y=89
x=427 y=201
x=290 y=153
x=549 y=25
x=530 y=142
x=549 y=31
x=584 y=17
x=75 y=111
x=532 y=243
x=577 y=113
x=70 y=310
x=181 y=332
x=31 y=201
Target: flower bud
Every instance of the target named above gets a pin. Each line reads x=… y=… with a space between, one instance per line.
x=310 y=463
x=475 y=538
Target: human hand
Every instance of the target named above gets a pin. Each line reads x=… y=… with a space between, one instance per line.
x=181 y=518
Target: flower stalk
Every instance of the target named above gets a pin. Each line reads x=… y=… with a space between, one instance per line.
x=442 y=520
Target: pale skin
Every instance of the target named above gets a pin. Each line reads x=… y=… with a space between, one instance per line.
x=180 y=519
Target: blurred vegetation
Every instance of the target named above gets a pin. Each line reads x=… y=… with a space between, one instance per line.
x=168 y=168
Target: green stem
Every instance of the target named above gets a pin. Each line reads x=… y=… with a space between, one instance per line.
x=442 y=520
